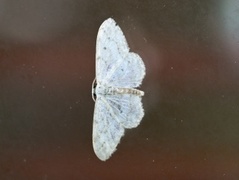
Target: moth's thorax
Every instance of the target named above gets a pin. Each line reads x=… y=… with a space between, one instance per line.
x=107 y=90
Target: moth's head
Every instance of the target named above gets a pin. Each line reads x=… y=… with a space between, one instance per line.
x=100 y=89
x=93 y=90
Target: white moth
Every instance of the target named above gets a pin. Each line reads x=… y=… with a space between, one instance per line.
x=118 y=104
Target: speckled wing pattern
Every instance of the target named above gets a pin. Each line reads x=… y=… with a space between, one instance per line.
x=115 y=67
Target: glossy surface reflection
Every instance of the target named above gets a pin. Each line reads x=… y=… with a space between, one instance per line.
x=191 y=102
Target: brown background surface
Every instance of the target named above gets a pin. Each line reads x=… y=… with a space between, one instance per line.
x=191 y=124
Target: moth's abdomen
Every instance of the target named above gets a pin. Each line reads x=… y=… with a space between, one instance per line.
x=128 y=91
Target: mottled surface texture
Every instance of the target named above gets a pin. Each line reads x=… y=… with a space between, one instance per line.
x=116 y=68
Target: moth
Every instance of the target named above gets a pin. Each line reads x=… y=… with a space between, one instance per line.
x=118 y=103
